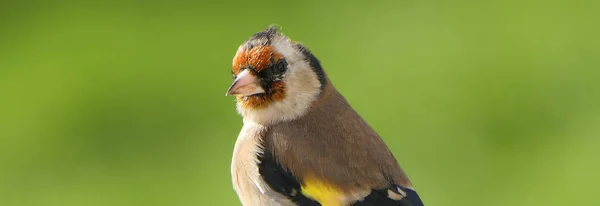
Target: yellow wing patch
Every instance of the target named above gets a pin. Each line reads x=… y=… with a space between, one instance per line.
x=322 y=192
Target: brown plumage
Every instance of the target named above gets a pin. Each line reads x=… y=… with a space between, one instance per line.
x=302 y=143
x=352 y=155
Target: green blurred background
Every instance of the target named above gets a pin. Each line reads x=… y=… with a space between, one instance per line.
x=122 y=102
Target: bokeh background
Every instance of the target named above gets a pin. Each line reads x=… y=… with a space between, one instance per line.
x=122 y=102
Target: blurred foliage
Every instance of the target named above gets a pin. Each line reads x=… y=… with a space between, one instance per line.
x=122 y=102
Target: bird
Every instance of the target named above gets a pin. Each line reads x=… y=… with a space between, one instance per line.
x=301 y=143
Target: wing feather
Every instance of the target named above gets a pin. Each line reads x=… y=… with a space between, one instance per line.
x=286 y=184
x=393 y=196
x=282 y=181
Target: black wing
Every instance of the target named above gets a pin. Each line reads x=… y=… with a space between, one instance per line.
x=282 y=181
x=393 y=196
x=287 y=185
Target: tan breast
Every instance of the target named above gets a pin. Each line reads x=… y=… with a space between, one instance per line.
x=249 y=186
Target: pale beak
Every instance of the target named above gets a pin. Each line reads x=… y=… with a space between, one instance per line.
x=245 y=84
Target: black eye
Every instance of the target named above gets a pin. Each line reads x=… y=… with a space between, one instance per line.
x=280 y=67
x=273 y=73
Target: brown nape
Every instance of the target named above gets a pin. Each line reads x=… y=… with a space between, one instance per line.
x=257 y=58
x=277 y=92
x=351 y=154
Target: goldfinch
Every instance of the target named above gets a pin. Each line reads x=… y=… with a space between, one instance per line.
x=302 y=143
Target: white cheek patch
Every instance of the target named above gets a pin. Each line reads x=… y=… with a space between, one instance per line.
x=301 y=82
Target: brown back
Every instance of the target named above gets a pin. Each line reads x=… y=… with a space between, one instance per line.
x=351 y=154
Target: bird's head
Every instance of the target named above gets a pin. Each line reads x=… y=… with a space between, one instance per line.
x=275 y=79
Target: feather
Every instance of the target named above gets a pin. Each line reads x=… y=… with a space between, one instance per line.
x=313 y=192
x=311 y=147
